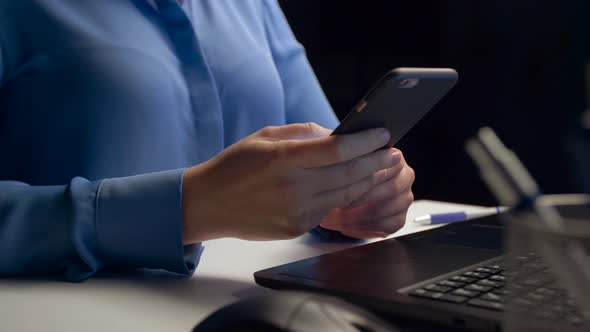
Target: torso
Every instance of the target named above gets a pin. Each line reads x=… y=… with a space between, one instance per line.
x=93 y=88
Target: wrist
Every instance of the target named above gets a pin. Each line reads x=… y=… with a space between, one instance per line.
x=190 y=233
x=198 y=222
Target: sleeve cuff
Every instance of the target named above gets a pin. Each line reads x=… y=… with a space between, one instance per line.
x=139 y=223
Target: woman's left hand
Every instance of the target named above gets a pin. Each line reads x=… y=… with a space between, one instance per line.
x=381 y=211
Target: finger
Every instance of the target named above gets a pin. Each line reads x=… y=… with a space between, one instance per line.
x=366 y=214
x=387 y=225
x=400 y=180
x=388 y=173
x=381 y=190
x=362 y=231
x=390 y=207
x=342 y=197
x=336 y=149
x=339 y=215
x=344 y=174
x=341 y=218
x=296 y=131
x=336 y=221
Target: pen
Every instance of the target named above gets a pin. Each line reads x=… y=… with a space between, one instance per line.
x=450 y=217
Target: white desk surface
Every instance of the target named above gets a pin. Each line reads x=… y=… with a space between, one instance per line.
x=153 y=301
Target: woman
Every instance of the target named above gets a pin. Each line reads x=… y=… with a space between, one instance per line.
x=133 y=130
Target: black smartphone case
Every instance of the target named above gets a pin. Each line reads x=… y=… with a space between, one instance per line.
x=399 y=100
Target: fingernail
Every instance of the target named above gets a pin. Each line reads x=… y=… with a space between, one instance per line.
x=396 y=158
x=384 y=135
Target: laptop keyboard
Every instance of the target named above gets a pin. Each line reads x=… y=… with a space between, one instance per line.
x=533 y=290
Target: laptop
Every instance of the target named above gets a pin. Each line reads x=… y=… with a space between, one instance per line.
x=453 y=275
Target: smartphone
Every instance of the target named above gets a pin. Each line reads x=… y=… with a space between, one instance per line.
x=399 y=100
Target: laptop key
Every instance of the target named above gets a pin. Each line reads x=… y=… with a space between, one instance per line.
x=498 y=278
x=522 y=258
x=537 y=297
x=478 y=275
x=449 y=283
x=533 y=281
x=522 y=303
x=575 y=320
x=517 y=288
x=478 y=288
x=496 y=267
x=535 y=266
x=487 y=270
x=506 y=263
x=545 y=314
x=555 y=286
x=558 y=308
x=486 y=304
x=492 y=297
x=421 y=292
x=547 y=292
x=501 y=292
x=517 y=273
x=490 y=283
x=465 y=292
x=464 y=279
x=453 y=298
x=564 y=303
x=437 y=288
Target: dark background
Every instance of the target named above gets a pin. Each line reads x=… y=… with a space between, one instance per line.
x=522 y=72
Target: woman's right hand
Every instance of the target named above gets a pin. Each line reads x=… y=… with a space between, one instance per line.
x=279 y=182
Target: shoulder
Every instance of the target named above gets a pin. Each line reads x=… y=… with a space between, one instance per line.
x=247 y=9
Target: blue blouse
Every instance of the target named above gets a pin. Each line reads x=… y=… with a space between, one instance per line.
x=104 y=103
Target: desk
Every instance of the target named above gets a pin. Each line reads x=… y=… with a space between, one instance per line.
x=156 y=301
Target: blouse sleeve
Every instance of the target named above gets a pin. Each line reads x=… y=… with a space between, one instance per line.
x=79 y=228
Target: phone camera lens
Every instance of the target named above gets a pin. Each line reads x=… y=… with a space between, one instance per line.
x=408 y=83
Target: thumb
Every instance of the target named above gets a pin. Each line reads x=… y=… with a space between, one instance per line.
x=297 y=131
